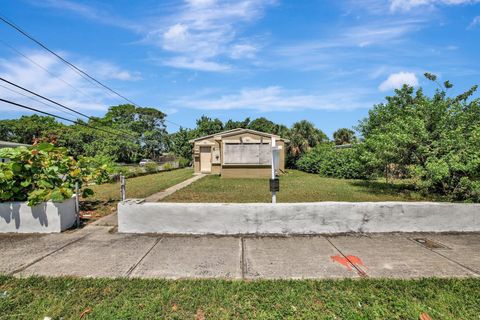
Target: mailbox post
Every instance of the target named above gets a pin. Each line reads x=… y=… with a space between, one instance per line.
x=274 y=181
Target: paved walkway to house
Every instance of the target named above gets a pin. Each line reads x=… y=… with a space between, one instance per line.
x=163 y=194
x=98 y=251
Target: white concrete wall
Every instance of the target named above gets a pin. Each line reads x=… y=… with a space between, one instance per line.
x=46 y=217
x=296 y=218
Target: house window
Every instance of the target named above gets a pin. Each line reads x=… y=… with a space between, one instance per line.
x=247 y=153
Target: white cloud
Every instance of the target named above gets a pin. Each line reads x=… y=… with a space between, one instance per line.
x=73 y=91
x=407 y=5
x=195 y=64
x=204 y=30
x=201 y=3
x=89 y=12
x=194 y=32
x=242 y=51
x=275 y=98
x=110 y=71
x=397 y=80
x=475 y=22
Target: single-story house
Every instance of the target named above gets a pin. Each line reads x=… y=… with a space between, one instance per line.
x=238 y=153
x=7 y=144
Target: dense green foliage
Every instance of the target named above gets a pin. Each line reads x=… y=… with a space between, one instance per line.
x=331 y=162
x=44 y=172
x=433 y=140
x=142 y=133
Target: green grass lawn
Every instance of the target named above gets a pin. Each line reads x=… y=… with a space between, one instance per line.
x=74 y=298
x=295 y=186
x=107 y=195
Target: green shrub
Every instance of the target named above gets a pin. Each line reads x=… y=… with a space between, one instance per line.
x=183 y=162
x=167 y=166
x=435 y=140
x=151 y=167
x=43 y=172
x=330 y=162
x=122 y=171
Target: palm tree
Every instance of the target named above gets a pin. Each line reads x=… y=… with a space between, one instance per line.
x=344 y=136
x=303 y=136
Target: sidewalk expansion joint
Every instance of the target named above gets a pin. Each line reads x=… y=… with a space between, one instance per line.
x=477 y=273
x=242 y=257
x=360 y=272
x=132 y=268
x=28 y=265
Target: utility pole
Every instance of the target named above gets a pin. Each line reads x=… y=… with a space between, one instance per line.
x=274 y=182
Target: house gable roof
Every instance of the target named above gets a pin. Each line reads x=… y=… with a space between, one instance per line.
x=238 y=131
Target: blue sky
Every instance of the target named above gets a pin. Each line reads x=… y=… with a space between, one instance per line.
x=325 y=61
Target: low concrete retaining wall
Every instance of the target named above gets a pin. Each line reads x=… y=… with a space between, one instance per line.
x=296 y=218
x=46 y=217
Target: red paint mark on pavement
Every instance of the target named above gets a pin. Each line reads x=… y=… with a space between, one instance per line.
x=342 y=260
x=355 y=260
x=348 y=260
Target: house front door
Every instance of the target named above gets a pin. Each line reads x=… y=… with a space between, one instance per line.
x=205 y=159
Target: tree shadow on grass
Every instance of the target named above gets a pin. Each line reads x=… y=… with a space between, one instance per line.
x=398 y=189
x=96 y=208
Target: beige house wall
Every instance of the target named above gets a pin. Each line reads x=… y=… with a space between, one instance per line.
x=246 y=172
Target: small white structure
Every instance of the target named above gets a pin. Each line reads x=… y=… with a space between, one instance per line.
x=7 y=144
x=46 y=217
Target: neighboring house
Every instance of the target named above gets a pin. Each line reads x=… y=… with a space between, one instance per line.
x=237 y=153
x=6 y=144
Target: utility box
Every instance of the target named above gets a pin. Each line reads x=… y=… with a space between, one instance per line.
x=274 y=185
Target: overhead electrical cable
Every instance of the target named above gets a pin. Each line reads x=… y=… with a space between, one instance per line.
x=62 y=118
x=37 y=100
x=84 y=74
x=54 y=102
x=45 y=69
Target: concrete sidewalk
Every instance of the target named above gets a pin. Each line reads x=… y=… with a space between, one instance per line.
x=96 y=251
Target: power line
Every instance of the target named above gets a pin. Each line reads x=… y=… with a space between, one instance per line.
x=60 y=117
x=39 y=101
x=52 y=101
x=40 y=96
x=71 y=65
x=44 y=69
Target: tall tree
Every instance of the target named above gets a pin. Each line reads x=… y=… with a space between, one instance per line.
x=26 y=128
x=344 y=136
x=207 y=126
x=263 y=124
x=231 y=124
x=180 y=145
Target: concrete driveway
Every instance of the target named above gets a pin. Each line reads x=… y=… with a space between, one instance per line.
x=96 y=251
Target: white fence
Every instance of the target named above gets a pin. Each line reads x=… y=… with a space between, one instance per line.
x=296 y=218
x=46 y=217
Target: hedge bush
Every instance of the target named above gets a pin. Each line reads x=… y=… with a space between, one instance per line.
x=331 y=162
